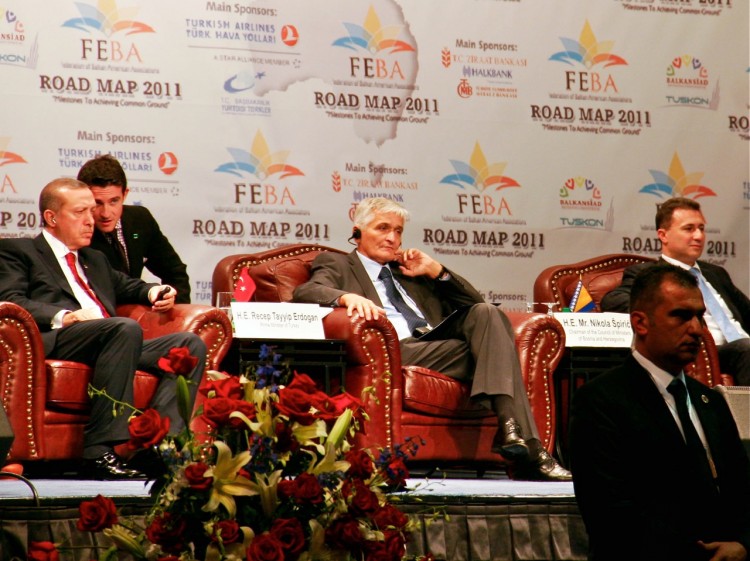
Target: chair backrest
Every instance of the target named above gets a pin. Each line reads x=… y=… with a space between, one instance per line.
x=276 y=272
x=600 y=275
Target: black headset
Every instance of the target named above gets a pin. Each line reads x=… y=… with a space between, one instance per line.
x=356 y=234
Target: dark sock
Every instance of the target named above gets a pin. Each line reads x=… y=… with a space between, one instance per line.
x=503 y=406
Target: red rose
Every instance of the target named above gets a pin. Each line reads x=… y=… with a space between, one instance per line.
x=291 y=536
x=360 y=463
x=228 y=531
x=96 y=514
x=344 y=401
x=363 y=500
x=285 y=441
x=389 y=516
x=285 y=488
x=395 y=544
x=148 y=429
x=178 y=361
x=224 y=387
x=396 y=472
x=296 y=404
x=194 y=475
x=345 y=534
x=43 y=551
x=217 y=410
x=307 y=489
x=379 y=551
x=169 y=531
x=168 y=558
x=303 y=382
x=265 y=548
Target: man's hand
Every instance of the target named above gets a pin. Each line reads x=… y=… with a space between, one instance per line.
x=363 y=306
x=81 y=315
x=415 y=263
x=161 y=297
x=725 y=551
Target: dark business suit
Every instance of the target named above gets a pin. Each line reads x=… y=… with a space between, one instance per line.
x=634 y=483
x=734 y=357
x=146 y=246
x=460 y=350
x=32 y=277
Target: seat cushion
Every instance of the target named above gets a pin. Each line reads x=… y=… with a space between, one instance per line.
x=68 y=382
x=431 y=393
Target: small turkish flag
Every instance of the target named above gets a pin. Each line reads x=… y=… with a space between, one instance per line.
x=245 y=288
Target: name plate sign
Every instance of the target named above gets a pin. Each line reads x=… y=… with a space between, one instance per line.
x=267 y=320
x=596 y=330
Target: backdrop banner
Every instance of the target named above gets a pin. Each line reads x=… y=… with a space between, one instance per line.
x=519 y=133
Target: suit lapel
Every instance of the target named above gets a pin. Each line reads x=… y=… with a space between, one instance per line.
x=360 y=273
x=97 y=280
x=53 y=265
x=701 y=397
x=131 y=232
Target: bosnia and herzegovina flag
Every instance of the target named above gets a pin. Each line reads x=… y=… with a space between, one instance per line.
x=582 y=301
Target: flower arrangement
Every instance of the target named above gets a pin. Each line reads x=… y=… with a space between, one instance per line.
x=275 y=478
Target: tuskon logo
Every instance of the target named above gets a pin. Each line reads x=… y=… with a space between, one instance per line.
x=106 y=18
x=676 y=182
x=7 y=157
x=587 y=51
x=478 y=174
x=372 y=37
x=259 y=161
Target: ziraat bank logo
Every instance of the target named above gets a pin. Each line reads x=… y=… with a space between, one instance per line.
x=114 y=26
x=267 y=167
x=592 y=57
x=688 y=81
x=15 y=48
x=676 y=182
x=579 y=198
x=486 y=179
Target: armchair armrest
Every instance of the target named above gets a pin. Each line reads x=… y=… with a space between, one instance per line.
x=23 y=383
x=540 y=343
x=211 y=324
x=373 y=371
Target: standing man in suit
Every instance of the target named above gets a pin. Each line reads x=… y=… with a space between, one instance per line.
x=659 y=469
x=417 y=293
x=129 y=235
x=71 y=291
x=681 y=227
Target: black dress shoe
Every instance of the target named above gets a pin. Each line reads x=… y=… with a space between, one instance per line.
x=508 y=441
x=543 y=468
x=109 y=466
x=148 y=462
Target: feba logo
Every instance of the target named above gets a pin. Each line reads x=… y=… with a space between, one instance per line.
x=108 y=20
x=591 y=54
x=8 y=158
x=676 y=182
x=264 y=165
x=378 y=41
x=487 y=179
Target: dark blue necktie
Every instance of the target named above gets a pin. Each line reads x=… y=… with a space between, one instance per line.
x=695 y=447
x=413 y=321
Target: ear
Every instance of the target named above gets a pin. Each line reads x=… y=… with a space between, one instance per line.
x=662 y=234
x=639 y=323
x=49 y=218
x=125 y=194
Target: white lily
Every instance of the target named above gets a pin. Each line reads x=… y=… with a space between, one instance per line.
x=227 y=481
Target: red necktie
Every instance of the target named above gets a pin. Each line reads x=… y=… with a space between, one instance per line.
x=71 y=260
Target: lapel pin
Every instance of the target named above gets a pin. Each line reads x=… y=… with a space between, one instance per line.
x=704 y=398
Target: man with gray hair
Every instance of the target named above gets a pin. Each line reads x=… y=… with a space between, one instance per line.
x=417 y=293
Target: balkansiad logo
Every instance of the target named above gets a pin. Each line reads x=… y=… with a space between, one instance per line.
x=676 y=182
x=688 y=81
x=15 y=48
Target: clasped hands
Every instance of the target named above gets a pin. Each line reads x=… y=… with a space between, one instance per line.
x=161 y=297
x=412 y=263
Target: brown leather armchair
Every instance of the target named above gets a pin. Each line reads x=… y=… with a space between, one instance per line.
x=602 y=274
x=46 y=400
x=409 y=400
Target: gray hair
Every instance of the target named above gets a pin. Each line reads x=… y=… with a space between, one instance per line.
x=368 y=208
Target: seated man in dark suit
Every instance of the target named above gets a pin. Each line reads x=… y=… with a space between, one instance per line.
x=71 y=291
x=415 y=292
x=659 y=470
x=129 y=235
x=680 y=226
